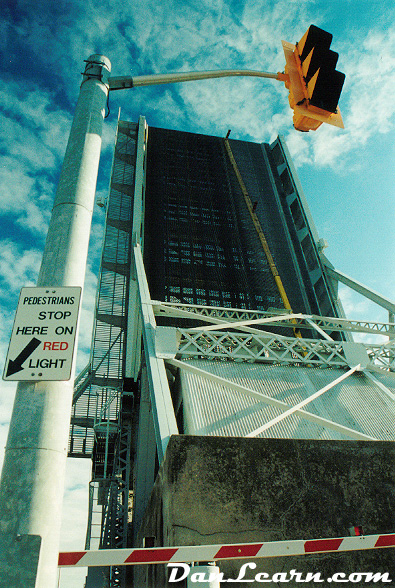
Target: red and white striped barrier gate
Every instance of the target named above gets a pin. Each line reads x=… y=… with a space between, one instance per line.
x=189 y=553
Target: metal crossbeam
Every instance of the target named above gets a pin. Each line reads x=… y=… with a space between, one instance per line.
x=218 y=315
x=303 y=403
x=259 y=321
x=360 y=288
x=379 y=384
x=274 y=349
x=318 y=329
x=163 y=412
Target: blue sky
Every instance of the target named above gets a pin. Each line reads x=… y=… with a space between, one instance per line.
x=347 y=175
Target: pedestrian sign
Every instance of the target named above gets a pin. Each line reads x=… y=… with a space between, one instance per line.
x=43 y=336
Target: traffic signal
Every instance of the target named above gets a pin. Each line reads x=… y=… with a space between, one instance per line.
x=313 y=82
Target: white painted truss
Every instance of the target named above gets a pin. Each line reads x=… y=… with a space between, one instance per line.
x=244 y=336
x=274 y=348
x=218 y=315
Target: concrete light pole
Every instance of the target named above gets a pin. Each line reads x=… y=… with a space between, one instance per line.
x=32 y=482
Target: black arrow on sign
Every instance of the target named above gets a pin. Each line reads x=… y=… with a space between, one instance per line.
x=15 y=365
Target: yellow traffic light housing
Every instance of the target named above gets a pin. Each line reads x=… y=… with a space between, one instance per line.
x=313 y=82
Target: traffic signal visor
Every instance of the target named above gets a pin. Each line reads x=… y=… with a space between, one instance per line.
x=313 y=82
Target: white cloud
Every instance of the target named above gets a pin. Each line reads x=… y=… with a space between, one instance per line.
x=371 y=84
x=18 y=267
x=86 y=319
x=31 y=127
x=78 y=475
x=254 y=41
x=32 y=136
x=24 y=194
x=6 y=403
x=357 y=307
x=16 y=184
x=204 y=35
x=367 y=102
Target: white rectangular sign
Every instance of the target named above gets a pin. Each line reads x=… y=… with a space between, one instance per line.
x=43 y=336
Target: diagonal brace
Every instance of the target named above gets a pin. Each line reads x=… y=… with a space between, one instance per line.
x=303 y=402
x=352 y=433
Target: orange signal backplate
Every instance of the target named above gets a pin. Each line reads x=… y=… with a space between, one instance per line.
x=298 y=94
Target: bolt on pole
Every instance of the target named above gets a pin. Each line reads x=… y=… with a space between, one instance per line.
x=32 y=480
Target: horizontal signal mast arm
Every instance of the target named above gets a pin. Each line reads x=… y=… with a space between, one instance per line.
x=123 y=82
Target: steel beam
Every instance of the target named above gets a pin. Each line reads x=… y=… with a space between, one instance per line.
x=133 y=331
x=162 y=405
x=361 y=289
x=219 y=315
x=303 y=403
x=278 y=349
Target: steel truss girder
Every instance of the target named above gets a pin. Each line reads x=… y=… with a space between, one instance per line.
x=237 y=335
x=277 y=349
x=218 y=315
x=251 y=344
x=254 y=344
